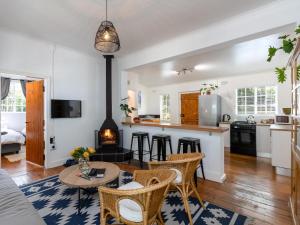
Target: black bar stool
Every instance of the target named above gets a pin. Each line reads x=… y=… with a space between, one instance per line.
x=140 y=137
x=161 y=140
x=193 y=143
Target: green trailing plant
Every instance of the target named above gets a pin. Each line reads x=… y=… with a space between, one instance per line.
x=208 y=88
x=287 y=46
x=125 y=107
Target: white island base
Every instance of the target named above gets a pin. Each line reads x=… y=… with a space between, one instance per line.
x=211 y=139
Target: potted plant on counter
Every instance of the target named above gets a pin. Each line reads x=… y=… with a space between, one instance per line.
x=208 y=89
x=126 y=109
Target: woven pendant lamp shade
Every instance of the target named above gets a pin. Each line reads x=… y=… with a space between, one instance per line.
x=107 y=39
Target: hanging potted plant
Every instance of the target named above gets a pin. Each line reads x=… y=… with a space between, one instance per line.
x=126 y=109
x=288 y=43
x=208 y=89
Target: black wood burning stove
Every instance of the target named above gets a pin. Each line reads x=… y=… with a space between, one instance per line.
x=108 y=140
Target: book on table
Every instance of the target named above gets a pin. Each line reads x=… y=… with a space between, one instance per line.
x=97 y=173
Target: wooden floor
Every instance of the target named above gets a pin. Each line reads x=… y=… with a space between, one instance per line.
x=252 y=188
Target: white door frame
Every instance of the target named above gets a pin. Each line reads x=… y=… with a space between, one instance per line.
x=47 y=99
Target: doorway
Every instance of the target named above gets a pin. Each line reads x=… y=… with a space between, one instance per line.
x=22 y=123
x=189 y=108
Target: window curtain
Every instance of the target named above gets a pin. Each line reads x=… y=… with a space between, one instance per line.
x=23 y=85
x=5 y=83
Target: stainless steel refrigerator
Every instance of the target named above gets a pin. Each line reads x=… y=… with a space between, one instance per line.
x=209 y=110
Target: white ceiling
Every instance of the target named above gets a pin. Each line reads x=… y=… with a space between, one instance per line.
x=140 y=23
x=237 y=59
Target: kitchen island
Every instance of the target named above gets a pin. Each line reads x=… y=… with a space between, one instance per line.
x=212 y=143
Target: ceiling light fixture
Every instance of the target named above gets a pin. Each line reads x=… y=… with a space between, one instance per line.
x=107 y=39
x=202 y=67
x=184 y=71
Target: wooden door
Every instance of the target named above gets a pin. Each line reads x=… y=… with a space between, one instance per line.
x=189 y=109
x=35 y=144
x=295 y=178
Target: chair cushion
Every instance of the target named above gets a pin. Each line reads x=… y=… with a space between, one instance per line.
x=129 y=209
x=131 y=186
x=178 y=178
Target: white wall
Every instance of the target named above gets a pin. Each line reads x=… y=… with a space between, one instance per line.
x=135 y=86
x=15 y=121
x=227 y=88
x=70 y=75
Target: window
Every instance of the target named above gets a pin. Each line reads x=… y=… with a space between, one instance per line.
x=165 y=107
x=15 y=101
x=257 y=100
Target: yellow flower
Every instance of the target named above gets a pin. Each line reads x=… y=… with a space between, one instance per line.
x=72 y=152
x=91 y=150
x=78 y=148
x=86 y=154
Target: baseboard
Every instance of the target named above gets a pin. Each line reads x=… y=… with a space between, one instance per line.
x=211 y=176
x=57 y=163
x=264 y=154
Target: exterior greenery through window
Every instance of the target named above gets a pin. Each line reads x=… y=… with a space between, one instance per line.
x=165 y=107
x=257 y=100
x=15 y=101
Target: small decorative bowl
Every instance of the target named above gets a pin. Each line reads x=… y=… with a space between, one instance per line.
x=136 y=120
x=287 y=111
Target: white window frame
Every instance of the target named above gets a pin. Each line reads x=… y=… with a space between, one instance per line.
x=14 y=105
x=165 y=116
x=255 y=101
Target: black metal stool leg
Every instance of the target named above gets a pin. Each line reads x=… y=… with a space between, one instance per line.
x=159 y=147
x=164 y=150
x=140 y=139
x=148 y=139
x=131 y=143
x=151 y=149
x=170 y=144
x=178 y=147
x=201 y=163
x=193 y=149
x=185 y=148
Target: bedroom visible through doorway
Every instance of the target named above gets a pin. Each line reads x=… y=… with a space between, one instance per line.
x=22 y=123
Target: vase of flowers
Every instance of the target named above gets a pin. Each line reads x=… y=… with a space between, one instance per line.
x=82 y=155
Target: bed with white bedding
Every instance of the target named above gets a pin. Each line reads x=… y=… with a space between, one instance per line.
x=11 y=140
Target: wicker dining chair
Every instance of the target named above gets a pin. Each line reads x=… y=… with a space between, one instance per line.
x=185 y=166
x=138 y=202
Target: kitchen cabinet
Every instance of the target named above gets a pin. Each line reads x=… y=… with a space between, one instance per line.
x=281 y=146
x=263 y=141
x=226 y=134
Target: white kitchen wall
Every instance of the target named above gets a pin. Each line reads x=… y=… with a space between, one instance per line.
x=135 y=86
x=15 y=121
x=71 y=75
x=227 y=88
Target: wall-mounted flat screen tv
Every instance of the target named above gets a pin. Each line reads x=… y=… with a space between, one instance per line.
x=65 y=108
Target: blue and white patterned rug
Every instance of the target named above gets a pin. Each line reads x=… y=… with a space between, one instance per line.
x=57 y=204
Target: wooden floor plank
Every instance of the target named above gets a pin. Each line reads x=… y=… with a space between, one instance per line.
x=252 y=187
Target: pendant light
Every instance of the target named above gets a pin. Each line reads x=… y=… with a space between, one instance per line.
x=107 y=39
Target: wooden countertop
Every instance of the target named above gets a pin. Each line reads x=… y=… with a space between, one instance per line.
x=281 y=127
x=180 y=126
x=264 y=124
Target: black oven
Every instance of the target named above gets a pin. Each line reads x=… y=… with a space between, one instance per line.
x=243 y=138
